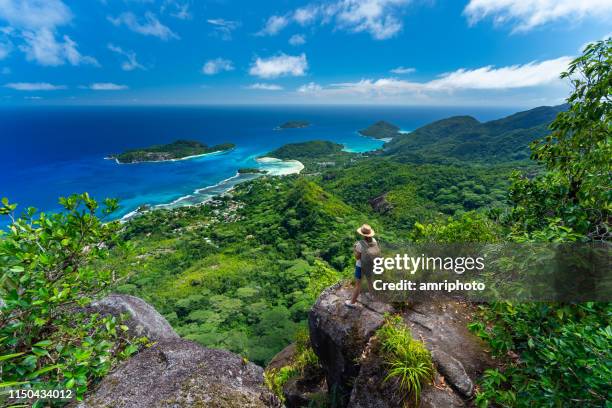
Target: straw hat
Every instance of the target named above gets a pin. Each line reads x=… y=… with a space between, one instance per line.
x=365 y=231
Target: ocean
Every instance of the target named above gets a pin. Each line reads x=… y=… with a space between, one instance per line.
x=48 y=152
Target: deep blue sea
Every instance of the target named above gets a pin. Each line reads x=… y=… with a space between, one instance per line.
x=48 y=152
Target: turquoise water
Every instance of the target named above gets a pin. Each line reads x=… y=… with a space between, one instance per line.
x=51 y=152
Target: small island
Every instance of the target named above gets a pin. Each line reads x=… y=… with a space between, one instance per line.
x=178 y=150
x=294 y=124
x=306 y=150
x=381 y=130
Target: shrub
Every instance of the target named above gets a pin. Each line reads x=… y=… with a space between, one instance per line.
x=408 y=362
x=46 y=339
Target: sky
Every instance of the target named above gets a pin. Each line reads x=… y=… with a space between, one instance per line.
x=378 y=52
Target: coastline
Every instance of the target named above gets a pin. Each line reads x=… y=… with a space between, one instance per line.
x=216 y=152
x=273 y=166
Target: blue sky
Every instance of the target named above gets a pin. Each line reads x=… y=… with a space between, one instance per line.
x=407 y=52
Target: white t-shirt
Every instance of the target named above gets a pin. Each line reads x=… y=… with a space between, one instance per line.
x=359 y=248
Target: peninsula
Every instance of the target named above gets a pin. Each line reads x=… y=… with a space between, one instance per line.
x=381 y=130
x=178 y=150
x=294 y=124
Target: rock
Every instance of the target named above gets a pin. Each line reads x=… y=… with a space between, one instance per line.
x=180 y=373
x=339 y=334
x=144 y=319
x=453 y=372
x=458 y=355
x=380 y=204
x=282 y=358
x=342 y=339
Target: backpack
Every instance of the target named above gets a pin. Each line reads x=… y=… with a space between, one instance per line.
x=369 y=252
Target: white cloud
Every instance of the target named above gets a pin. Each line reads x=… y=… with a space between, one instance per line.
x=514 y=76
x=182 y=12
x=306 y=15
x=402 y=70
x=34 y=98
x=279 y=65
x=35 y=22
x=525 y=15
x=265 y=87
x=214 y=66
x=34 y=86
x=489 y=78
x=310 y=87
x=297 y=39
x=5 y=49
x=149 y=26
x=274 y=25
x=380 y=18
x=131 y=63
x=223 y=28
x=106 y=86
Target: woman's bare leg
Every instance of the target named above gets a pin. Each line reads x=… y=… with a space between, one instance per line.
x=356 y=291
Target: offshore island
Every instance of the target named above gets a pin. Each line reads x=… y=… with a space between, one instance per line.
x=177 y=150
x=294 y=124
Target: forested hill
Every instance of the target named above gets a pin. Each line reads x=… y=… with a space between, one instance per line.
x=465 y=138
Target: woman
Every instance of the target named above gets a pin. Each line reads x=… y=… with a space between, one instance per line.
x=365 y=250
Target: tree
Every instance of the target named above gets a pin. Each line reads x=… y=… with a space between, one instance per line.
x=577 y=187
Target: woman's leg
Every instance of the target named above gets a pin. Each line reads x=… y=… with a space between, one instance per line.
x=356 y=291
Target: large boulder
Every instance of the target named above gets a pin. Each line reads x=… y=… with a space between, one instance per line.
x=180 y=373
x=344 y=341
x=339 y=334
x=143 y=320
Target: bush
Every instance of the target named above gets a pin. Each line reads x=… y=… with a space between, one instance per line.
x=46 y=339
x=408 y=362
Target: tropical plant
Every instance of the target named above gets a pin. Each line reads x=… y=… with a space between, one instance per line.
x=47 y=339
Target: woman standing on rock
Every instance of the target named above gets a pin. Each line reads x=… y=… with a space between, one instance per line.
x=365 y=250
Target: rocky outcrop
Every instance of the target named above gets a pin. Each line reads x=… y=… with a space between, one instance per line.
x=380 y=204
x=343 y=339
x=180 y=373
x=339 y=334
x=143 y=318
x=174 y=372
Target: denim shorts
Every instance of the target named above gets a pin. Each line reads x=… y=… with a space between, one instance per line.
x=357 y=272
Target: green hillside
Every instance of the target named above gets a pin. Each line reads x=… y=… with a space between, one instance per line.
x=465 y=138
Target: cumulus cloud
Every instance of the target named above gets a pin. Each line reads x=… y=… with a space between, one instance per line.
x=106 y=86
x=34 y=86
x=214 y=66
x=35 y=23
x=310 y=87
x=402 y=70
x=297 y=39
x=223 y=28
x=525 y=15
x=150 y=25
x=265 y=87
x=279 y=65
x=131 y=63
x=274 y=25
x=487 y=78
x=380 y=18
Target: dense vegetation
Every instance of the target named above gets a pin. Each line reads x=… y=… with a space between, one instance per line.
x=47 y=339
x=242 y=271
x=465 y=138
x=381 y=130
x=294 y=124
x=298 y=151
x=171 y=151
